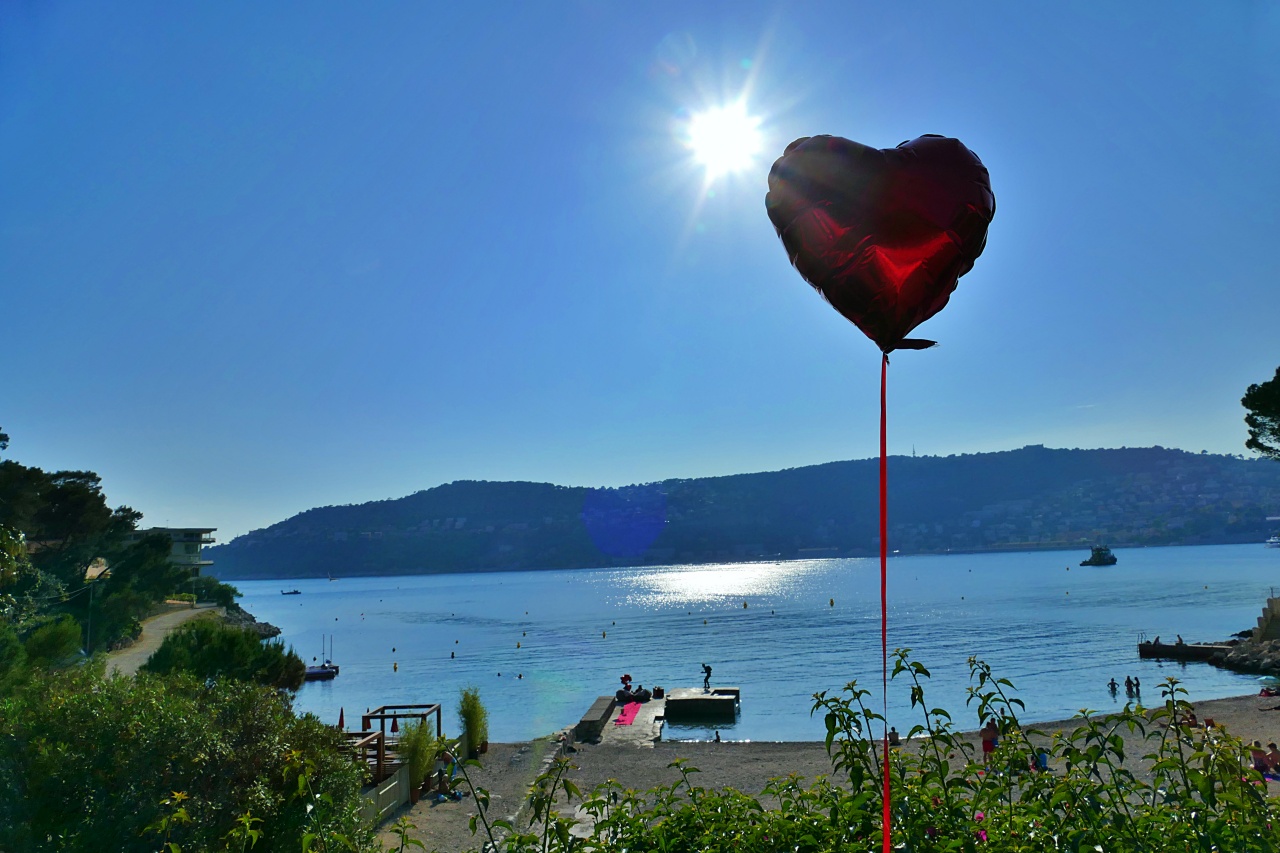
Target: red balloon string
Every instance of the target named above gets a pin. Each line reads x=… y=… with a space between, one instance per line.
x=884 y=596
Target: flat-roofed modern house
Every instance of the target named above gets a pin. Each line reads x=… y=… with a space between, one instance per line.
x=187 y=542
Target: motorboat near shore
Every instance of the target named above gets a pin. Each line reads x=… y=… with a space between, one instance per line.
x=1101 y=556
x=291 y=592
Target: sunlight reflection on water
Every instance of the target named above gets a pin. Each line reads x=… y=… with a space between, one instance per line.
x=680 y=586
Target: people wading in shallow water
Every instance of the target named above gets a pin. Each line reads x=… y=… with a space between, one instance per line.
x=1112 y=686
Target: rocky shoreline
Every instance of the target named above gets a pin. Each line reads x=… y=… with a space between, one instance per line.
x=1256 y=657
x=241 y=618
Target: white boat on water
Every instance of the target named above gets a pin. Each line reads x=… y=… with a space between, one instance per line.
x=1273 y=542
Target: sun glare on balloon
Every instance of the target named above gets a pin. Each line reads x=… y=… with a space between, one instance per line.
x=724 y=139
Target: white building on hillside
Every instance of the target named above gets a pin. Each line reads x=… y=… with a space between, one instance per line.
x=186 y=544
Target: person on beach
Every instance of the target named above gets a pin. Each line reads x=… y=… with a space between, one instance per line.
x=706 y=677
x=446 y=769
x=1259 y=757
x=1273 y=757
x=717 y=736
x=894 y=738
x=1180 y=643
x=990 y=735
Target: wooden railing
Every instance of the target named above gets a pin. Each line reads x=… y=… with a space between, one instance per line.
x=371 y=749
x=398 y=713
x=376 y=748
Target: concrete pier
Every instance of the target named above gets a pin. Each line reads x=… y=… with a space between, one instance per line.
x=695 y=705
x=1181 y=651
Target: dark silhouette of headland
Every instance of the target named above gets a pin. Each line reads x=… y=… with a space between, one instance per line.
x=1032 y=498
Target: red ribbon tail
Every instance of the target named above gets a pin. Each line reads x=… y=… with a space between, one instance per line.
x=884 y=597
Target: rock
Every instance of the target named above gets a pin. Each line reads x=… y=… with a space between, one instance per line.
x=238 y=616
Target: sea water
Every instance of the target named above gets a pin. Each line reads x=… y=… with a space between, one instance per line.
x=542 y=645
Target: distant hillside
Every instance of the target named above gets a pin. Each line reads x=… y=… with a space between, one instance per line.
x=1030 y=498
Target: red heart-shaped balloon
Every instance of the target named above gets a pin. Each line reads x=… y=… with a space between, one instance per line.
x=882 y=234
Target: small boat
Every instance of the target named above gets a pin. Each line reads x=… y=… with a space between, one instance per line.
x=325 y=671
x=1101 y=556
x=291 y=592
x=1273 y=542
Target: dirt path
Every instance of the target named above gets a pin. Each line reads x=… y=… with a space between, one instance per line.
x=154 y=630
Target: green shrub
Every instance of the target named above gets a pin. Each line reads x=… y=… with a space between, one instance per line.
x=418 y=748
x=474 y=717
x=89 y=763
x=207 y=648
x=13 y=658
x=55 y=644
x=208 y=588
x=117 y=618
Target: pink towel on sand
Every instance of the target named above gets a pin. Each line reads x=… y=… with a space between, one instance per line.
x=628 y=715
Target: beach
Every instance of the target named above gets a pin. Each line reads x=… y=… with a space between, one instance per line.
x=508 y=769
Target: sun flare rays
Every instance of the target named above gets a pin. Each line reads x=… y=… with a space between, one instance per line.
x=724 y=140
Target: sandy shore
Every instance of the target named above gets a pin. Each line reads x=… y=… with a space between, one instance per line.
x=509 y=768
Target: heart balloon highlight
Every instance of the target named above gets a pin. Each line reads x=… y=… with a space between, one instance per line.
x=882 y=234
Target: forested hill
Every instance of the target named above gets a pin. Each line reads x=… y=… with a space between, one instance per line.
x=1035 y=497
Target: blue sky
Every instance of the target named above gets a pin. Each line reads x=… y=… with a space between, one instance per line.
x=256 y=258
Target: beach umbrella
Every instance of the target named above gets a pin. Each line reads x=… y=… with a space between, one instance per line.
x=884 y=235
x=342 y=724
x=395 y=725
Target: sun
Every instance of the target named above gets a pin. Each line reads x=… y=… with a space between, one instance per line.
x=724 y=139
